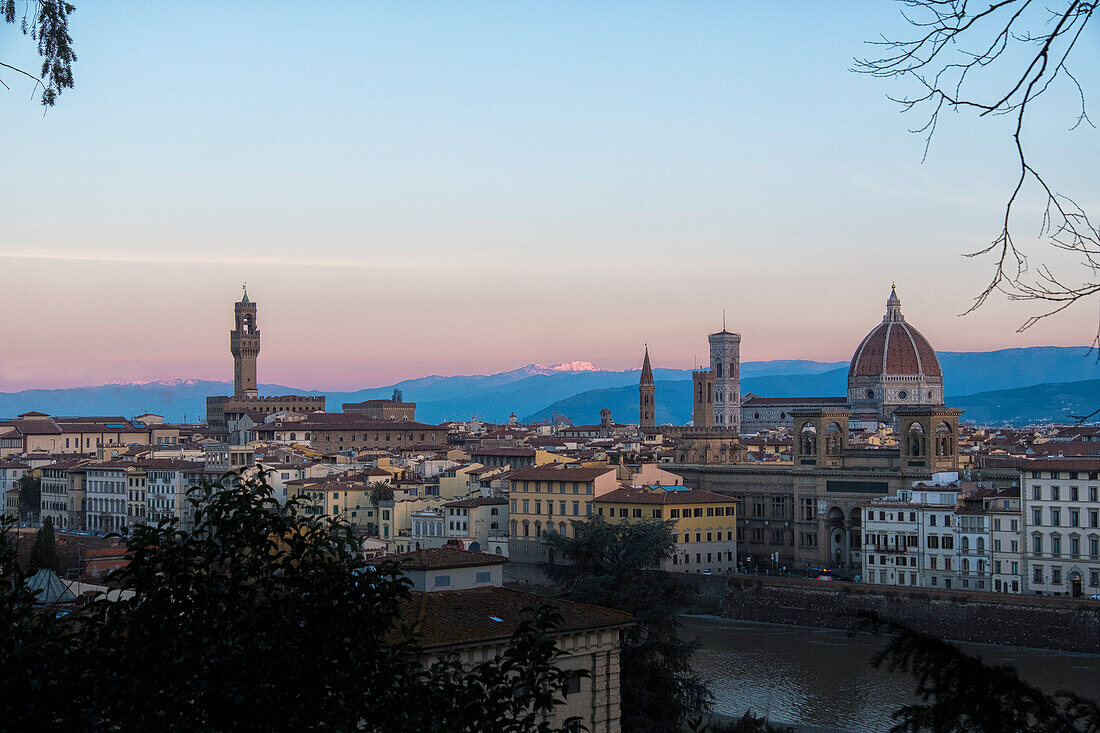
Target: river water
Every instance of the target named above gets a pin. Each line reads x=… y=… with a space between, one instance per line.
x=822 y=677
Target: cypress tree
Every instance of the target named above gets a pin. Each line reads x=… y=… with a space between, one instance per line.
x=44 y=550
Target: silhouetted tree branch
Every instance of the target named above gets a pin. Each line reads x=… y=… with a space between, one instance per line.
x=958 y=692
x=997 y=59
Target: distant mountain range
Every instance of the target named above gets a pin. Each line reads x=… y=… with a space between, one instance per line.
x=1006 y=386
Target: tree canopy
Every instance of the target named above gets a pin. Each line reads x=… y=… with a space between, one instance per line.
x=618 y=565
x=44 y=550
x=261 y=618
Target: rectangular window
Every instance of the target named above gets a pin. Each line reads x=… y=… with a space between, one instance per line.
x=483 y=577
x=674 y=513
x=1055 y=517
x=1037 y=517
x=698 y=512
x=442 y=581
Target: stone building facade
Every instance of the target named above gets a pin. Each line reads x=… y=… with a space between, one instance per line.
x=808 y=511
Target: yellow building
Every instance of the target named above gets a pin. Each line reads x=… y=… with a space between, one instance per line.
x=456 y=483
x=706 y=523
x=338 y=496
x=549 y=497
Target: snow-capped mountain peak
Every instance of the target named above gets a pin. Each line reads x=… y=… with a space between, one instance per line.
x=567 y=366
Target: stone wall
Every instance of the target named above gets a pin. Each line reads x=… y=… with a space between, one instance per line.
x=1032 y=621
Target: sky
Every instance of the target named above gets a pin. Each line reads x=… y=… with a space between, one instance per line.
x=456 y=188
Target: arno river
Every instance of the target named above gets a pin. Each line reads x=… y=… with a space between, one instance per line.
x=822 y=677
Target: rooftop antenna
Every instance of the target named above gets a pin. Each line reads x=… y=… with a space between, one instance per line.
x=723 y=319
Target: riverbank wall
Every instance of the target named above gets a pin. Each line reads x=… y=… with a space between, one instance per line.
x=1063 y=624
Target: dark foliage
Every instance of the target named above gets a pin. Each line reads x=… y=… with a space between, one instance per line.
x=44 y=550
x=958 y=692
x=262 y=619
x=615 y=565
x=29 y=646
x=47 y=22
x=30 y=493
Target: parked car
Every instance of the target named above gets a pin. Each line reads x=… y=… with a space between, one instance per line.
x=1095 y=597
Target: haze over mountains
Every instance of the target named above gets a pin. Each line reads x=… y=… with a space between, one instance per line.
x=1007 y=386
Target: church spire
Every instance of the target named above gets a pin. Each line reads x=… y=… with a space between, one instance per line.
x=646 y=394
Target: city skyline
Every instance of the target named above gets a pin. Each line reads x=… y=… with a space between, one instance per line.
x=482 y=188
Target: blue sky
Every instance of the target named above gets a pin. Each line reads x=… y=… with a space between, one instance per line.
x=414 y=188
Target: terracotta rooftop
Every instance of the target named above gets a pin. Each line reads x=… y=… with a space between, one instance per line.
x=660 y=496
x=441 y=558
x=559 y=472
x=479 y=615
x=480 y=501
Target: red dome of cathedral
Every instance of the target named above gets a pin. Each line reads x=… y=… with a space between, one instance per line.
x=894 y=348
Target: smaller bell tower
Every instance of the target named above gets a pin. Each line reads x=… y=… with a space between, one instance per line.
x=244 y=344
x=646 y=394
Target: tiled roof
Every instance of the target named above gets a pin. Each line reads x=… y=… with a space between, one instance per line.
x=558 y=472
x=480 y=501
x=527 y=452
x=440 y=558
x=894 y=348
x=660 y=496
x=479 y=615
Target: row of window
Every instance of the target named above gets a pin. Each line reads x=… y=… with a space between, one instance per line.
x=1073 y=514
x=1038 y=575
x=562 y=507
x=710 y=536
x=1074 y=545
x=539 y=487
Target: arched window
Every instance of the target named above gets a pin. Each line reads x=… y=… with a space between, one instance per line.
x=965 y=543
x=981 y=544
x=718 y=369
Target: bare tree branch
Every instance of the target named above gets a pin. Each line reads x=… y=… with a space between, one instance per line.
x=1029 y=44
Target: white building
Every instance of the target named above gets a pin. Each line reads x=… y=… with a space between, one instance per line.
x=105 y=501
x=428 y=528
x=1061 y=511
x=10 y=473
x=909 y=540
x=481 y=524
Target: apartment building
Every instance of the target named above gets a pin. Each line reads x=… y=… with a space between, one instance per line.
x=909 y=539
x=549 y=497
x=705 y=523
x=105 y=496
x=1061 y=509
x=481 y=524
